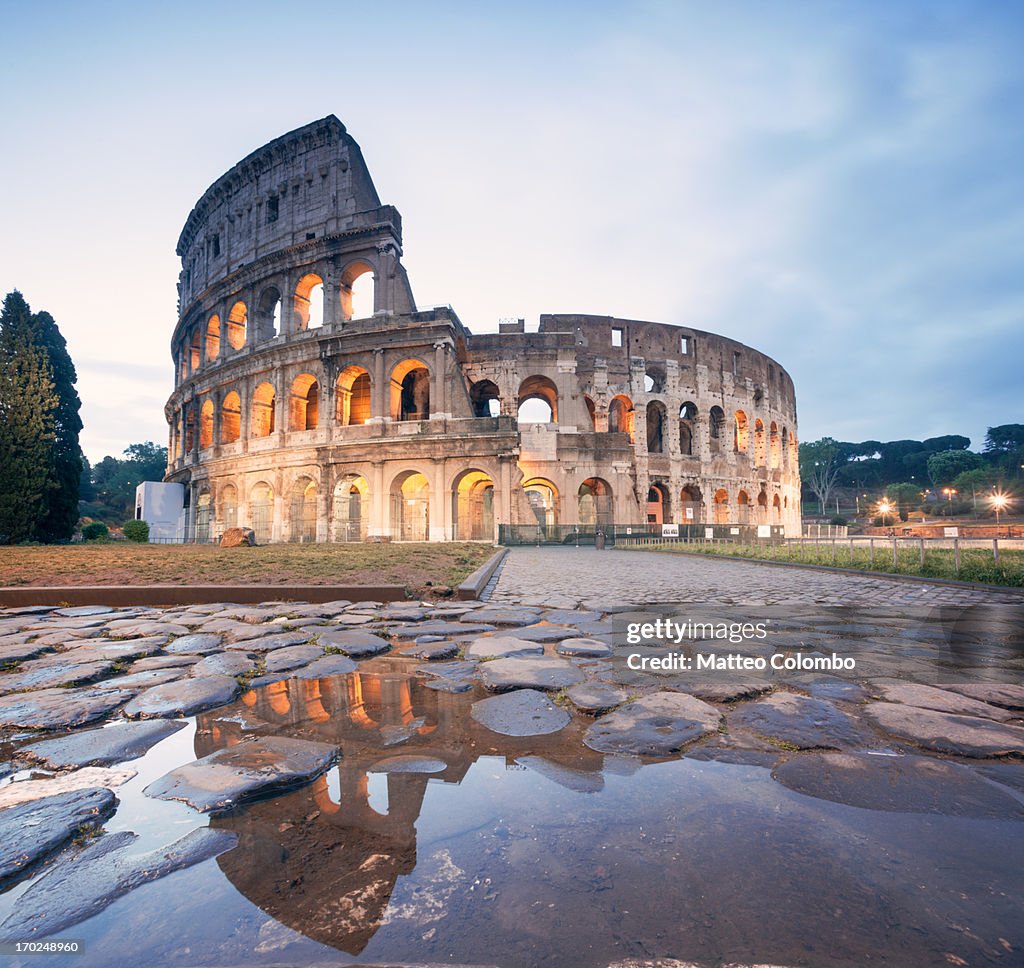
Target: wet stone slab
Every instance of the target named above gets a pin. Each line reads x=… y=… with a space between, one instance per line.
x=596 y=697
x=1005 y=694
x=250 y=769
x=584 y=648
x=500 y=647
x=55 y=674
x=101 y=747
x=283 y=660
x=902 y=784
x=82 y=885
x=948 y=733
x=272 y=642
x=432 y=651
x=409 y=763
x=525 y=712
x=32 y=831
x=203 y=643
x=712 y=690
x=510 y=615
x=357 y=643
x=327 y=665
x=223 y=664
x=529 y=672
x=432 y=627
x=800 y=722
x=183 y=698
x=59 y=708
x=656 y=725
x=941 y=700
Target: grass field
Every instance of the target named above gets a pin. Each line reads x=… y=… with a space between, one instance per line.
x=976 y=564
x=422 y=568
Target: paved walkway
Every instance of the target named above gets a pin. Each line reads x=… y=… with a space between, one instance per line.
x=583 y=574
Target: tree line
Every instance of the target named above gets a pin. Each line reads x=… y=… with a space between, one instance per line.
x=912 y=473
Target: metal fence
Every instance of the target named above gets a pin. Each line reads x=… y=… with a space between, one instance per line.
x=633 y=535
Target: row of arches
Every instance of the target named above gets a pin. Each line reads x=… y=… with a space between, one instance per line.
x=409 y=400
x=760 y=509
x=312 y=305
x=407 y=508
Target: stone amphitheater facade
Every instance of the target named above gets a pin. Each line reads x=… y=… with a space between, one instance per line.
x=314 y=401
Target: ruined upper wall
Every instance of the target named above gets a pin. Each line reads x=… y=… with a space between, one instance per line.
x=306 y=184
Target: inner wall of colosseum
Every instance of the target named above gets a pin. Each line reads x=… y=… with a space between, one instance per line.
x=314 y=402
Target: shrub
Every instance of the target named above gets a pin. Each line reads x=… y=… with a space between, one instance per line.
x=137 y=531
x=95 y=530
x=838 y=519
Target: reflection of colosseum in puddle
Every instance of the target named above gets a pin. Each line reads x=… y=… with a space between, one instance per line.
x=322 y=860
x=314 y=401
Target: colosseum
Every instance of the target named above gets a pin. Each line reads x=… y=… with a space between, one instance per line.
x=314 y=401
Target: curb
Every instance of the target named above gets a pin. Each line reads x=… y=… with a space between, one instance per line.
x=163 y=595
x=836 y=570
x=474 y=585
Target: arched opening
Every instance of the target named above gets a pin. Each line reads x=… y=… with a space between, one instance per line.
x=303 y=511
x=304 y=403
x=206 y=424
x=270 y=312
x=410 y=507
x=655 y=428
x=776 y=509
x=352 y=396
x=204 y=518
x=620 y=416
x=410 y=391
x=358 y=285
x=592 y=410
x=740 y=438
x=236 y=325
x=213 y=338
x=658 y=510
x=743 y=508
x=690 y=504
x=182 y=364
x=351 y=508
x=261 y=511
x=190 y=429
x=654 y=379
x=231 y=418
x=721 y=506
x=542 y=498
x=263 y=407
x=473 y=506
x=785 y=448
x=309 y=302
x=716 y=424
x=687 y=425
x=762 y=506
x=773 y=446
x=195 y=357
x=595 y=503
x=228 y=506
x=537 y=401
x=485 y=398
x=760 y=448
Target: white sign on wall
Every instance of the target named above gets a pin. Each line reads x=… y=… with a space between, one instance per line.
x=709 y=532
x=670 y=530
x=734 y=531
x=764 y=530
x=689 y=513
x=951 y=532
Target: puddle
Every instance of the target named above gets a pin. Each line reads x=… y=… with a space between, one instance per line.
x=518 y=851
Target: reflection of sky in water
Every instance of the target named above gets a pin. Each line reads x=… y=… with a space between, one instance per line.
x=536 y=851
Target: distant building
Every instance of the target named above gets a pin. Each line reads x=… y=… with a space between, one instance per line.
x=315 y=402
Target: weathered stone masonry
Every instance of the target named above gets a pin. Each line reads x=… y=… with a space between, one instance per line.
x=314 y=402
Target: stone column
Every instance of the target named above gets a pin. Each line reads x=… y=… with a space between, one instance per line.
x=323 y=504
x=438 y=394
x=379 y=397
x=438 y=530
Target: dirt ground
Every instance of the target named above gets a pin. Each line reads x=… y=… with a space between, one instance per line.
x=425 y=569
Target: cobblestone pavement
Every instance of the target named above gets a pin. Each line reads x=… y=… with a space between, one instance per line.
x=537 y=575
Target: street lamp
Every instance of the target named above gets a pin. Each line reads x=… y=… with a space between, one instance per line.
x=884 y=508
x=999 y=502
x=949 y=492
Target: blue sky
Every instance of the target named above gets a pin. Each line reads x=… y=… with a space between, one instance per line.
x=838 y=185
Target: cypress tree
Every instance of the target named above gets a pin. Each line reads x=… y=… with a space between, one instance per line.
x=28 y=406
x=60 y=512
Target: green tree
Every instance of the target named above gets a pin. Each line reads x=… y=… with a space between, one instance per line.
x=115 y=480
x=820 y=464
x=944 y=466
x=906 y=497
x=28 y=408
x=60 y=511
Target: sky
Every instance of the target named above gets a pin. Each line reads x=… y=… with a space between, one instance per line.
x=839 y=185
